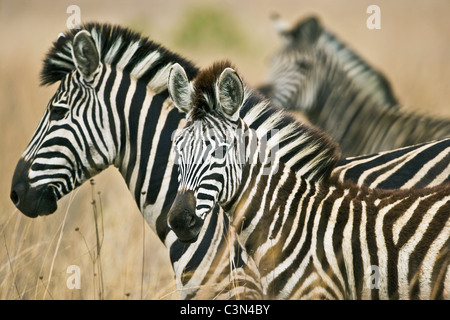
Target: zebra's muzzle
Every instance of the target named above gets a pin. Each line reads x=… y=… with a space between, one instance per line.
x=182 y=218
x=32 y=202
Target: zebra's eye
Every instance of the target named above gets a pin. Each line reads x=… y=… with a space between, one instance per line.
x=57 y=113
x=304 y=65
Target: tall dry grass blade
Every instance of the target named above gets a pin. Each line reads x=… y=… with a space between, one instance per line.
x=72 y=196
x=438 y=290
x=233 y=271
x=46 y=287
x=5 y=224
x=11 y=268
x=97 y=263
x=143 y=257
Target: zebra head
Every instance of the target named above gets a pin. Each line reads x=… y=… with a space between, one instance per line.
x=314 y=67
x=292 y=80
x=208 y=148
x=68 y=146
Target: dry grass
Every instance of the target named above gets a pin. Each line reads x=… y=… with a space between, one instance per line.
x=122 y=258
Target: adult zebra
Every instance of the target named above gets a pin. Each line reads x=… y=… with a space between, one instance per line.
x=112 y=108
x=310 y=238
x=317 y=74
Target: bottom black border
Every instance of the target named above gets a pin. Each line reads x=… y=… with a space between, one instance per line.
x=265 y=309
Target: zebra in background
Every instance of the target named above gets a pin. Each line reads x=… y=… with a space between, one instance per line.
x=309 y=236
x=415 y=166
x=112 y=108
x=317 y=74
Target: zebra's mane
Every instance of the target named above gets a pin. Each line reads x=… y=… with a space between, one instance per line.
x=365 y=76
x=120 y=47
x=302 y=147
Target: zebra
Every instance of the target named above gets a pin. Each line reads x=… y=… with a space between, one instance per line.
x=317 y=74
x=408 y=167
x=310 y=237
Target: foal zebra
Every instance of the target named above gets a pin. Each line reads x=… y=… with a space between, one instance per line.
x=310 y=237
x=317 y=74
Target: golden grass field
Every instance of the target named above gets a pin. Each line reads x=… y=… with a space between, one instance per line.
x=412 y=49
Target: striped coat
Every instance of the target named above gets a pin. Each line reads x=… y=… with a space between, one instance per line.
x=310 y=236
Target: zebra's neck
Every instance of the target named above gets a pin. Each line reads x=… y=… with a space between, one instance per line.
x=342 y=83
x=363 y=76
x=278 y=156
x=141 y=125
x=300 y=146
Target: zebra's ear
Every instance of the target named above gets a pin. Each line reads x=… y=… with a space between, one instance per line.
x=230 y=92
x=308 y=31
x=305 y=32
x=180 y=90
x=85 y=54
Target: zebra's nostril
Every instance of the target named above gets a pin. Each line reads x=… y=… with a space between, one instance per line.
x=15 y=197
x=190 y=220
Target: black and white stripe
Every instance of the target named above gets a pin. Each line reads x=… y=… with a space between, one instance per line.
x=310 y=237
x=419 y=166
x=317 y=74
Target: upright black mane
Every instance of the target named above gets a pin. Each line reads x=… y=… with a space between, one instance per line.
x=204 y=99
x=113 y=42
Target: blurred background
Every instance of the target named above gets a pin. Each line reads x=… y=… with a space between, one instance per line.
x=119 y=256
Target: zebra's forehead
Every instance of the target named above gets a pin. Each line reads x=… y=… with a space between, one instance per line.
x=204 y=131
x=187 y=135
